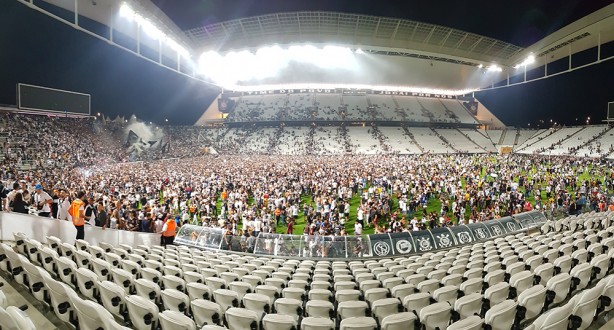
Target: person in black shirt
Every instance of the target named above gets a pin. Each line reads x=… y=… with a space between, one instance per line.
x=573 y=207
x=102 y=218
x=145 y=224
x=55 y=205
x=18 y=205
x=3 y=195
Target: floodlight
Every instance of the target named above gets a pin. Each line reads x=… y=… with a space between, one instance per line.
x=409 y=89
x=304 y=54
x=529 y=60
x=494 y=68
x=336 y=57
x=211 y=64
x=269 y=60
x=172 y=44
x=126 y=11
x=481 y=65
x=359 y=51
x=151 y=30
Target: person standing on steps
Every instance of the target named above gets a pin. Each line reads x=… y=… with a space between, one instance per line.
x=168 y=232
x=76 y=212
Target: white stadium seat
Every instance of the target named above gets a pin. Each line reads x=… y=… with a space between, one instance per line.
x=142 y=312
x=436 y=316
x=501 y=316
x=170 y=320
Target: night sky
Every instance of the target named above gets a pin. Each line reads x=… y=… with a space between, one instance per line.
x=38 y=50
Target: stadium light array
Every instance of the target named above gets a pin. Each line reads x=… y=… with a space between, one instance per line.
x=317 y=86
x=494 y=68
x=234 y=67
x=527 y=61
x=151 y=29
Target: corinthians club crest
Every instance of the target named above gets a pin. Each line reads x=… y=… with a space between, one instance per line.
x=403 y=246
x=444 y=240
x=497 y=230
x=480 y=233
x=424 y=244
x=464 y=237
x=511 y=226
x=381 y=249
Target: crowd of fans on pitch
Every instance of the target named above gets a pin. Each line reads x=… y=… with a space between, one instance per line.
x=252 y=194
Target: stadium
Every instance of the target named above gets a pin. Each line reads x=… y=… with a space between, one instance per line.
x=306 y=165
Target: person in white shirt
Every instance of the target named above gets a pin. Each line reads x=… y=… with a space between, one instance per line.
x=257 y=226
x=247 y=223
x=158 y=225
x=43 y=201
x=11 y=195
x=63 y=206
x=414 y=224
x=360 y=214
x=357 y=229
x=295 y=211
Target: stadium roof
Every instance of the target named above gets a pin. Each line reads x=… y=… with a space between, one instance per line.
x=370 y=33
x=424 y=54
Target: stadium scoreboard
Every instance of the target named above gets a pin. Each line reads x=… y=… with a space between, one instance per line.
x=45 y=99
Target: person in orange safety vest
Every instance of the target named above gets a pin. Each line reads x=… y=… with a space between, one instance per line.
x=76 y=210
x=169 y=230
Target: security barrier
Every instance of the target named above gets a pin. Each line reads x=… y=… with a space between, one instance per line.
x=341 y=247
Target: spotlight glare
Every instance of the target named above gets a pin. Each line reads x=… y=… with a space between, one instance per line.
x=236 y=66
x=126 y=11
x=527 y=61
x=269 y=60
x=336 y=57
x=172 y=44
x=410 y=89
x=495 y=68
x=151 y=30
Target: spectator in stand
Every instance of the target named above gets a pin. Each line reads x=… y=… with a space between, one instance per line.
x=18 y=205
x=55 y=206
x=146 y=224
x=90 y=215
x=3 y=195
x=158 y=225
x=77 y=213
x=11 y=195
x=102 y=218
x=42 y=201
x=63 y=205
